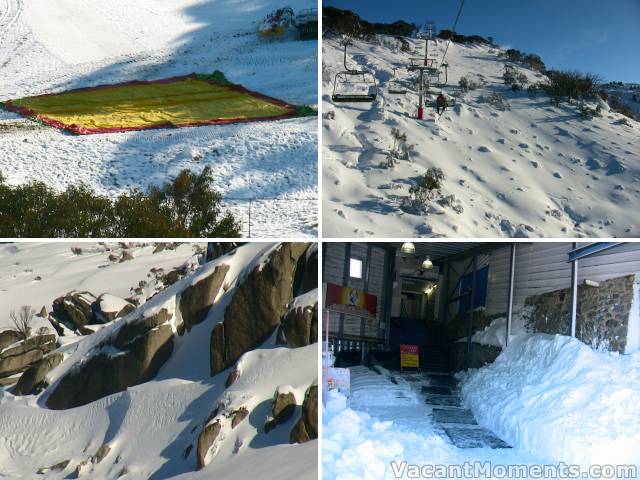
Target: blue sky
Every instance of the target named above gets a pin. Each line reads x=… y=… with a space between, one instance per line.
x=598 y=36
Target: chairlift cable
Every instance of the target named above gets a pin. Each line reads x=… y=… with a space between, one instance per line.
x=455 y=24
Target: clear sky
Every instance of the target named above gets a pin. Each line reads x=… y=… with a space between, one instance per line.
x=598 y=36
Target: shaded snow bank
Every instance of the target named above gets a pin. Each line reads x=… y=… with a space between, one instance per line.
x=556 y=398
x=358 y=446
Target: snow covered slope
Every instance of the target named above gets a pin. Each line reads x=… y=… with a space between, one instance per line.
x=532 y=170
x=151 y=430
x=56 y=45
x=37 y=273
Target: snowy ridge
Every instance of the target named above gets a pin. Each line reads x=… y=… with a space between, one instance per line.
x=532 y=170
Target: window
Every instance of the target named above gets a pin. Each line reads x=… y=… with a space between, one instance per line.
x=480 y=293
x=355 y=268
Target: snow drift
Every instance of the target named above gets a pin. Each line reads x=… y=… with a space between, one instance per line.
x=558 y=399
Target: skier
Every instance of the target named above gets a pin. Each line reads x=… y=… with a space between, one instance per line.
x=441 y=103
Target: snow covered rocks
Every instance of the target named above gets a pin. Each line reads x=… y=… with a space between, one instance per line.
x=256 y=307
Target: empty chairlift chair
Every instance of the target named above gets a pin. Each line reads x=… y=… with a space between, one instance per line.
x=354 y=85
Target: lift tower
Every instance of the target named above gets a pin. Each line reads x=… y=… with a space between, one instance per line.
x=428 y=64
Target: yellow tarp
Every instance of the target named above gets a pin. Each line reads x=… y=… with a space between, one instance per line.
x=136 y=106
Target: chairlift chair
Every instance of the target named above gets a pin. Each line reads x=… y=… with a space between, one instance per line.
x=362 y=78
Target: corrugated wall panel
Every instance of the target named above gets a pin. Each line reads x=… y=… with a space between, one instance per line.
x=540 y=267
x=498 y=286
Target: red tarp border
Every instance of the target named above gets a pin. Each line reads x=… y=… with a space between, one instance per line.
x=78 y=130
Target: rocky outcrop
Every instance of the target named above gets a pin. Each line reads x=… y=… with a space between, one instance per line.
x=196 y=300
x=75 y=308
x=144 y=347
x=205 y=441
x=299 y=327
x=22 y=355
x=307 y=427
x=33 y=379
x=109 y=307
x=256 y=307
x=8 y=337
x=282 y=409
x=102 y=452
x=238 y=416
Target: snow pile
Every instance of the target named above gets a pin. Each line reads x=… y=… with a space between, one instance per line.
x=357 y=446
x=558 y=399
x=495 y=333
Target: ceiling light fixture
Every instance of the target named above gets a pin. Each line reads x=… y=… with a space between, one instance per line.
x=408 y=247
x=427 y=264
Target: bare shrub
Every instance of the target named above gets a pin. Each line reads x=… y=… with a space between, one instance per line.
x=22 y=320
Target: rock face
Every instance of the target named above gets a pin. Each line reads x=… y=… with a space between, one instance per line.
x=75 y=308
x=306 y=278
x=307 y=427
x=19 y=357
x=196 y=300
x=33 y=378
x=233 y=376
x=205 y=441
x=8 y=337
x=218 y=249
x=299 y=327
x=256 y=307
x=145 y=346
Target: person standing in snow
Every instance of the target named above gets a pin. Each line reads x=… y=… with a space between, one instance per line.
x=441 y=103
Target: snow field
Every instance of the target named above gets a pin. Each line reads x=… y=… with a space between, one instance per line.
x=534 y=170
x=103 y=42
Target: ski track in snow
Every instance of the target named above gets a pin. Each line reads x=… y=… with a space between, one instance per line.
x=533 y=170
x=274 y=163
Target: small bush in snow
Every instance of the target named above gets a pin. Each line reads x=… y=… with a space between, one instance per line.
x=428 y=187
x=498 y=101
x=22 y=321
x=400 y=150
x=452 y=202
x=571 y=85
x=587 y=113
x=509 y=75
x=330 y=115
x=467 y=85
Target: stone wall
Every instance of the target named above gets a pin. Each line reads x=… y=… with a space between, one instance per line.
x=603 y=313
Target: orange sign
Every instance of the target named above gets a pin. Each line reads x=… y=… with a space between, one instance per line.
x=351 y=300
